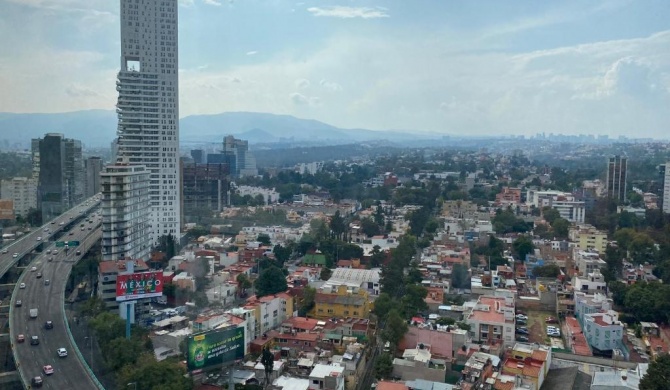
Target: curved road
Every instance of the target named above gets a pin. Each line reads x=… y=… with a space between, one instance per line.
x=70 y=372
x=29 y=242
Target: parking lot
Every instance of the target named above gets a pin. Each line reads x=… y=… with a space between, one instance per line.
x=537 y=327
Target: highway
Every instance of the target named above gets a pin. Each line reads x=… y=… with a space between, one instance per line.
x=69 y=372
x=27 y=243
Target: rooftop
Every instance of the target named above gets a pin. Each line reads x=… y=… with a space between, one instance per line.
x=324 y=370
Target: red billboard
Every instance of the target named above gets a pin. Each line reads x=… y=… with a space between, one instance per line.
x=139 y=285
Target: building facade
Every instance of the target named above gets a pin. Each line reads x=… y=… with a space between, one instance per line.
x=242 y=162
x=590 y=303
x=492 y=320
x=588 y=238
x=342 y=301
x=617 y=171
x=22 y=191
x=93 y=167
x=205 y=187
x=148 y=105
x=125 y=212
x=603 y=331
x=107 y=274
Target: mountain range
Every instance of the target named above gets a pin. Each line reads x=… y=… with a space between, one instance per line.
x=97 y=128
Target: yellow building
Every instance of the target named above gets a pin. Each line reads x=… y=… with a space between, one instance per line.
x=342 y=301
x=270 y=311
x=529 y=363
x=587 y=237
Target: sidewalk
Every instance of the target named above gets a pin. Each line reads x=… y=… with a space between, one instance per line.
x=90 y=350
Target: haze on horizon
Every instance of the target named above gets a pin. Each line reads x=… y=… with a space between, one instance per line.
x=476 y=68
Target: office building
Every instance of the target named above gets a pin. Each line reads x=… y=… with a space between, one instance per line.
x=23 y=192
x=205 y=187
x=665 y=199
x=125 y=212
x=59 y=169
x=617 y=167
x=93 y=167
x=148 y=105
x=242 y=162
x=198 y=156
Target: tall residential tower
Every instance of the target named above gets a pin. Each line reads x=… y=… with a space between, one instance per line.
x=617 y=168
x=148 y=105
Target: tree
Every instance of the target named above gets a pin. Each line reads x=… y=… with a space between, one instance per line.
x=523 y=246
x=121 y=351
x=395 y=329
x=383 y=366
x=167 y=245
x=377 y=257
x=267 y=360
x=658 y=374
x=460 y=277
x=547 y=271
x=150 y=374
x=34 y=217
x=383 y=305
x=326 y=273
x=413 y=301
x=369 y=227
x=270 y=281
x=337 y=225
x=432 y=225
x=307 y=303
x=550 y=214
x=560 y=227
x=282 y=254
x=264 y=239
x=243 y=283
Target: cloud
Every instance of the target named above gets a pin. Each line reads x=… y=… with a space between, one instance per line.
x=299 y=99
x=76 y=90
x=302 y=83
x=251 y=53
x=212 y=2
x=630 y=76
x=349 y=12
x=332 y=86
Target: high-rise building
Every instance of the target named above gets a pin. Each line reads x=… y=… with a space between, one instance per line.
x=93 y=167
x=198 y=156
x=58 y=166
x=205 y=187
x=241 y=161
x=21 y=190
x=617 y=168
x=148 y=105
x=665 y=199
x=125 y=212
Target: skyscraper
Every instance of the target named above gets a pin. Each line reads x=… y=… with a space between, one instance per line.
x=665 y=199
x=241 y=161
x=616 y=177
x=93 y=167
x=148 y=104
x=57 y=164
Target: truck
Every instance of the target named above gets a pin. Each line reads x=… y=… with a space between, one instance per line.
x=33 y=313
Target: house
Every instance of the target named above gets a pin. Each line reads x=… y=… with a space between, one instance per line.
x=443 y=344
x=603 y=331
x=591 y=303
x=418 y=363
x=592 y=282
x=530 y=363
x=314 y=258
x=326 y=377
x=342 y=301
x=270 y=311
x=366 y=279
x=588 y=262
x=619 y=379
x=478 y=368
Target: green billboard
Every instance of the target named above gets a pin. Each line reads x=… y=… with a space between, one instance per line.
x=215 y=347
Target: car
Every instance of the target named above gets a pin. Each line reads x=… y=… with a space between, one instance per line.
x=53 y=222
x=49 y=325
x=18 y=303
x=62 y=223
x=46 y=229
x=39 y=238
x=551 y=320
x=521 y=322
x=72 y=233
x=51 y=259
x=47 y=282
x=48 y=369
x=521 y=317
x=20 y=338
x=549 y=327
x=522 y=338
x=48 y=252
x=522 y=331
x=22 y=285
x=39 y=275
x=62 y=352
x=33 y=269
x=54 y=252
x=36 y=381
x=15 y=255
x=34 y=340
x=4 y=251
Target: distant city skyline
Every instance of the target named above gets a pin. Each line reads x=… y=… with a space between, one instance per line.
x=520 y=67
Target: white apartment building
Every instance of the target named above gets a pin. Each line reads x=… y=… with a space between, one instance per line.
x=269 y=194
x=603 y=331
x=563 y=202
x=594 y=281
x=125 y=212
x=21 y=190
x=587 y=262
x=492 y=320
x=148 y=105
x=590 y=303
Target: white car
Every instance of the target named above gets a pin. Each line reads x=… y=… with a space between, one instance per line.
x=15 y=255
x=33 y=269
x=62 y=223
x=4 y=251
x=22 y=285
x=39 y=238
x=62 y=352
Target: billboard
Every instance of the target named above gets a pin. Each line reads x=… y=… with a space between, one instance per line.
x=139 y=285
x=7 y=209
x=215 y=347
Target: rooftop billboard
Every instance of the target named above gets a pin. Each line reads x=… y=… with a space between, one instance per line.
x=215 y=347
x=139 y=285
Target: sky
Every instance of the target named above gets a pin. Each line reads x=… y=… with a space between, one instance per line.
x=481 y=67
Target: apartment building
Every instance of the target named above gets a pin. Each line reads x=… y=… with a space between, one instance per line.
x=22 y=191
x=588 y=238
x=492 y=320
x=603 y=331
x=590 y=303
x=107 y=273
x=270 y=311
x=593 y=282
x=529 y=363
x=587 y=262
x=342 y=301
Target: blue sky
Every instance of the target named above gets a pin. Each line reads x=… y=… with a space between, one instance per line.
x=452 y=67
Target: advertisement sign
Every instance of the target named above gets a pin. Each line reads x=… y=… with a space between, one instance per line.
x=7 y=209
x=139 y=285
x=215 y=347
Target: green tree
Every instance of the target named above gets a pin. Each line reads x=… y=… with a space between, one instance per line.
x=383 y=305
x=560 y=228
x=547 y=271
x=282 y=254
x=307 y=302
x=383 y=366
x=413 y=301
x=523 y=246
x=325 y=274
x=658 y=374
x=337 y=225
x=394 y=329
x=369 y=227
x=271 y=281
x=460 y=277
x=432 y=225
x=550 y=214
x=377 y=257
x=121 y=351
x=243 y=283
x=153 y=375
x=264 y=239
x=267 y=360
